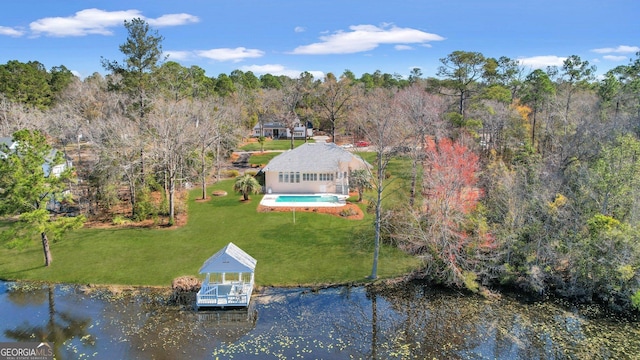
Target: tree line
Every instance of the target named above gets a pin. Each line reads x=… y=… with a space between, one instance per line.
x=515 y=177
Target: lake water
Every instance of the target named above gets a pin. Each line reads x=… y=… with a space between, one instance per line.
x=407 y=322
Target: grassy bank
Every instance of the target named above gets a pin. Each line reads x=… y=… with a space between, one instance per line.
x=278 y=144
x=317 y=248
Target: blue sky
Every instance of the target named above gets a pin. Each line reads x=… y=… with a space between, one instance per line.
x=291 y=36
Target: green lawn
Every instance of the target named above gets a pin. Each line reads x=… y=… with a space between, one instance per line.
x=262 y=158
x=273 y=145
x=316 y=249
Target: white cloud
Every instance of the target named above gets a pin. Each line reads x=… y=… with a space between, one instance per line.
x=84 y=22
x=228 y=54
x=299 y=29
x=317 y=74
x=10 y=31
x=622 y=49
x=615 y=57
x=277 y=70
x=179 y=55
x=97 y=21
x=173 y=20
x=364 y=38
x=403 y=47
x=539 y=62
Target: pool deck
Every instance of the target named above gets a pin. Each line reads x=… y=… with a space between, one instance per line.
x=270 y=200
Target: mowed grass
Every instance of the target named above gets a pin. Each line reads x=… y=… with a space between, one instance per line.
x=315 y=249
x=262 y=158
x=273 y=145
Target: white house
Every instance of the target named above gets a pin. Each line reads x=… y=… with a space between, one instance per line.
x=312 y=168
x=11 y=145
x=46 y=167
x=57 y=169
x=277 y=130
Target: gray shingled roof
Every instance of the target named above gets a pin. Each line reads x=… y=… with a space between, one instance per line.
x=311 y=157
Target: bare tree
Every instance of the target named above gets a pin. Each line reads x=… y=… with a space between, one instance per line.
x=67 y=119
x=117 y=142
x=423 y=113
x=122 y=152
x=15 y=116
x=265 y=106
x=171 y=128
x=292 y=94
x=217 y=131
x=383 y=128
x=333 y=99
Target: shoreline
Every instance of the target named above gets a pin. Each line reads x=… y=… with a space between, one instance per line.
x=172 y=298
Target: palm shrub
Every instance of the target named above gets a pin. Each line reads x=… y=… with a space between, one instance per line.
x=246 y=184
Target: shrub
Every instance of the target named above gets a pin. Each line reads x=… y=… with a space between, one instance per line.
x=230 y=173
x=107 y=196
x=470 y=281
x=120 y=220
x=181 y=202
x=371 y=207
x=347 y=212
x=635 y=300
x=144 y=208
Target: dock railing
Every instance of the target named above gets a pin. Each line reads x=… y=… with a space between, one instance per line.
x=224 y=294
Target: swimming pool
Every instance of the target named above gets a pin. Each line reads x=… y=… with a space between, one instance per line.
x=307 y=198
x=303 y=200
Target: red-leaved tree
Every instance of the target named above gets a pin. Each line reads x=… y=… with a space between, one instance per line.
x=446 y=229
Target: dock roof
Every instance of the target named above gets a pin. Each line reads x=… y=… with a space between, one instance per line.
x=229 y=259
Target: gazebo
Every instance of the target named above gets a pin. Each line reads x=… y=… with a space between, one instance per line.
x=229 y=279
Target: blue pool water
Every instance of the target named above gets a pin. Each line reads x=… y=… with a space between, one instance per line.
x=307 y=198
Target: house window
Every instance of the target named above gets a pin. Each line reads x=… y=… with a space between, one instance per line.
x=297 y=177
x=286 y=177
x=280 y=177
x=326 y=177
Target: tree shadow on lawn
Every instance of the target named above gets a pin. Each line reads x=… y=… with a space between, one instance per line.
x=11 y=275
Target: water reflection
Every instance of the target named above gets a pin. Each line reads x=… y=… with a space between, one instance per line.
x=59 y=326
x=442 y=324
x=405 y=322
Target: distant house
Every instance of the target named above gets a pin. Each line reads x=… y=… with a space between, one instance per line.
x=9 y=143
x=56 y=170
x=312 y=168
x=277 y=130
x=46 y=167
